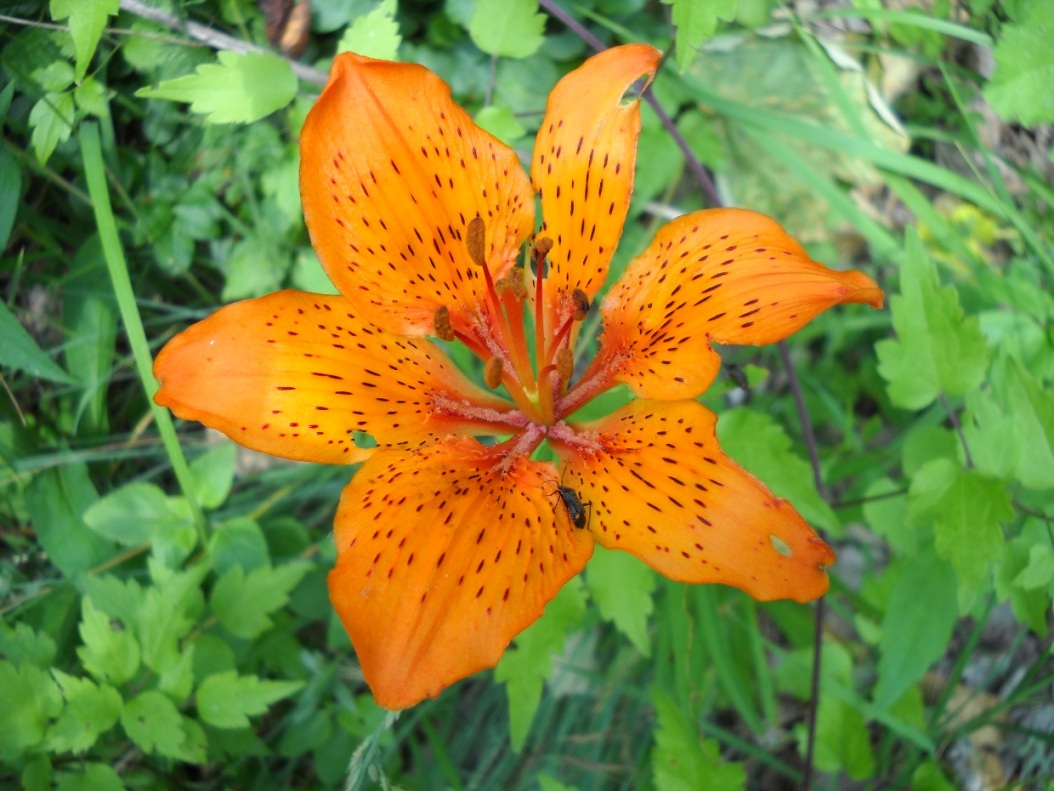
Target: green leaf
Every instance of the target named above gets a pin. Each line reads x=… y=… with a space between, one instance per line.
x=29 y=698
x=110 y=653
x=1032 y=408
x=213 y=474
x=10 y=193
x=19 y=351
x=255 y=267
x=375 y=35
x=936 y=350
x=22 y=644
x=56 y=498
x=1021 y=561
x=238 y=89
x=696 y=22
x=759 y=443
x=918 y=622
x=243 y=603
x=1022 y=87
x=684 y=761
x=168 y=611
x=622 y=586
x=1040 y=569
x=37 y=774
x=500 y=122
x=227 y=700
x=507 y=28
x=90 y=711
x=238 y=542
x=87 y=18
x=95 y=777
x=137 y=513
x=524 y=668
x=152 y=721
x=91 y=323
x=843 y=742
x=51 y=120
x=966 y=508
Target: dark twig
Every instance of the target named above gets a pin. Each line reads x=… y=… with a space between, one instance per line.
x=806 y=422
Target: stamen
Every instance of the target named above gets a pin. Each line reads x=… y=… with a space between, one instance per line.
x=443 y=326
x=476 y=241
x=581 y=301
x=493 y=371
x=565 y=365
x=542 y=246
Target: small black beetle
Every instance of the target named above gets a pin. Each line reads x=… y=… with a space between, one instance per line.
x=576 y=509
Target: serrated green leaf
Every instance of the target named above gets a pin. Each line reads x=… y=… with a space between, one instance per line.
x=696 y=22
x=238 y=89
x=254 y=268
x=966 y=508
x=1030 y=605
x=759 y=443
x=152 y=721
x=1040 y=569
x=137 y=513
x=238 y=542
x=937 y=350
x=87 y=18
x=22 y=644
x=1022 y=87
x=93 y=777
x=843 y=742
x=507 y=28
x=110 y=653
x=20 y=351
x=622 y=586
x=227 y=700
x=1032 y=408
x=684 y=761
x=918 y=622
x=194 y=747
x=90 y=711
x=524 y=668
x=375 y=35
x=29 y=699
x=885 y=511
x=37 y=774
x=51 y=120
x=213 y=473
x=242 y=603
x=168 y=611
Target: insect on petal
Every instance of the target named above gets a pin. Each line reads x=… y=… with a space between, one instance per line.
x=662 y=490
x=583 y=166
x=391 y=173
x=718 y=275
x=443 y=558
x=296 y=374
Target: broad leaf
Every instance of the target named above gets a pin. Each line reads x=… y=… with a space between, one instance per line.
x=87 y=18
x=684 y=761
x=937 y=350
x=375 y=34
x=696 y=22
x=242 y=603
x=238 y=89
x=1022 y=87
x=90 y=711
x=20 y=351
x=227 y=700
x=622 y=586
x=507 y=28
x=152 y=721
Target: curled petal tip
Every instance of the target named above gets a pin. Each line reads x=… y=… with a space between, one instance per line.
x=862 y=289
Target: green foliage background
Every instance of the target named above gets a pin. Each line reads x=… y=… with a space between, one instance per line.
x=165 y=619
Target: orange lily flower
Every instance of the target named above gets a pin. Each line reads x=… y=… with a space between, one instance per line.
x=451 y=538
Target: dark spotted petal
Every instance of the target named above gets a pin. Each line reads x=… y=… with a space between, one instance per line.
x=719 y=275
x=443 y=556
x=659 y=487
x=391 y=174
x=296 y=375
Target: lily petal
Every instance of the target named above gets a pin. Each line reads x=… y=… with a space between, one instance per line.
x=443 y=556
x=391 y=173
x=660 y=488
x=584 y=160
x=717 y=275
x=296 y=375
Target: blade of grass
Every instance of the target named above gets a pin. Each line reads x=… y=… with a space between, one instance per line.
x=907 y=19
x=91 y=152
